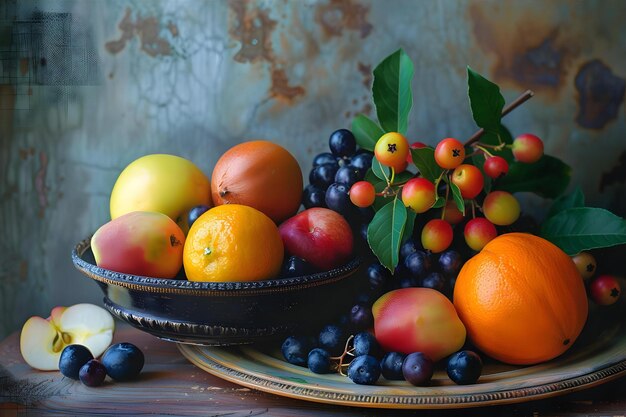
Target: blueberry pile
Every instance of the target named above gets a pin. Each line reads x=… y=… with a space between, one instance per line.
x=332 y=175
x=362 y=359
x=122 y=362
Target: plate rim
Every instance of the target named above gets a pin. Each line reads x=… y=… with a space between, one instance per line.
x=435 y=401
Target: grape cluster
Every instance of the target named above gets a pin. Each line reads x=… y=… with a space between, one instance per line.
x=334 y=173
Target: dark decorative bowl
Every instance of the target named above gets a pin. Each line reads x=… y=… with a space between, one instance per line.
x=223 y=313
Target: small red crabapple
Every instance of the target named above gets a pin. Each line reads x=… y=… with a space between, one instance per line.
x=414 y=145
x=469 y=179
x=452 y=214
x=362 y=194
x=527 y=148
x=496 y=167
x=605 y=290
x=437 y=235
x=501 y=208
x=478 y=232
x=449 y=153
x=391 y=150
x=419 y=194
x=586 y=264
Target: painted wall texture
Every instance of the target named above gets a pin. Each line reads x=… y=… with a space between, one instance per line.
x=87 y=87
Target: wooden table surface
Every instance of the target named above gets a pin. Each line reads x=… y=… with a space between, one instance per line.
x=170 y=385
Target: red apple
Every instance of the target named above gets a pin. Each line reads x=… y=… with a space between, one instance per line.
x=318 y=235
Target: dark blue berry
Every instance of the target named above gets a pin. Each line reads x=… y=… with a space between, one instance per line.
x=196 y=212
x=450 y=262
x=362 y=161
x=92 y=373
x=313 y=196
x=318 y=361
x=123 y=361
x=417 y=264
x=361 y=316
x=72 y=358
x=364 y=298
x=410 y=246
x=364 y=370
x=391 y=366
x=296 y=267
x=434 y=280
x=337 y=199
x=377 y=276
x=363 y=231
x=465 y=367
x=408 y=281
x=365 y=343
x=417 y=368
x=347 y=175
x=323 y=175
x=295 y=349
x=332 y=339
x=342 y=143
x=324 y=158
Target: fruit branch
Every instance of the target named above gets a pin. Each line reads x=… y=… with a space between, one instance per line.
x=527 y=95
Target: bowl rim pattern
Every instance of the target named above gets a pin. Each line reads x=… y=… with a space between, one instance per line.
x=185 y=287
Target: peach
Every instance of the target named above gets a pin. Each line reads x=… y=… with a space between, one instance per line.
x=418 y=320
x=140 y=243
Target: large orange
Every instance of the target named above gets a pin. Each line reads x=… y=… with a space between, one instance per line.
x=232 y=243
x=259 y=174
x=521 y=299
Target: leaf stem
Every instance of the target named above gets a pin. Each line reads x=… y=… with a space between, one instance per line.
x=508 y=109
x=473 y=209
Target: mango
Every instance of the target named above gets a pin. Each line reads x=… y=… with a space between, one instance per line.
x=140 y=243
x=165 y=183
x=418 y=320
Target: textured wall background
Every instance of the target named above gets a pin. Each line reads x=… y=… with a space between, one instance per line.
x=87 y=87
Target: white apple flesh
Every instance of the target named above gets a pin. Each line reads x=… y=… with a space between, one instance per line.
x=42 y=341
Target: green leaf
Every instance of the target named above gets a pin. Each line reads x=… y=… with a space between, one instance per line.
x=458 y=198
x=410 y=223
x=485 y=100
x=547 y=177
x=384 y=233
x=380 y=171
x=574 y=199
x=439 y=202
x=366 y=131
x=582 y=228
x=403 y=177
x=424 y=160
x=392 y=91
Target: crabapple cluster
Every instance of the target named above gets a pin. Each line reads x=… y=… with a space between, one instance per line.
x=603 y=289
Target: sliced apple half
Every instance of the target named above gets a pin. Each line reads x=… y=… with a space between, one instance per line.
x=42 y=341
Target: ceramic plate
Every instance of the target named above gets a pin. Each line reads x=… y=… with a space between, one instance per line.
x=599 y=358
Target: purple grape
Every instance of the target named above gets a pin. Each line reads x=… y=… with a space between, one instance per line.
x=417 y=368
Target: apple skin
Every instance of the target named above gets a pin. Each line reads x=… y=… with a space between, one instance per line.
x=43 y=340
x=418 y=320
x=318 y=235
x=140 y=243
x=164 y=183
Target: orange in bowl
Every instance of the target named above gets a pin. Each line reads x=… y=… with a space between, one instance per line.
x=233 y=242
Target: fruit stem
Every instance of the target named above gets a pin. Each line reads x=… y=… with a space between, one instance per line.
x=473 y=209
x=525 y=96
x=393 y=175
x=483 y=149
x=443 y=211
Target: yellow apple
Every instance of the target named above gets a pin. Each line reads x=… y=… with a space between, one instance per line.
x=163 y=183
